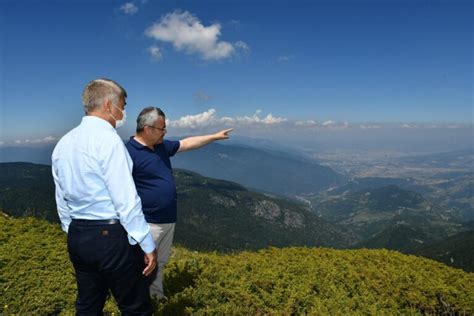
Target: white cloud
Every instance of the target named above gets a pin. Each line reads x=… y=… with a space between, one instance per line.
x=194 y=121
x=129 y=8
x=227 y=120
x=269 y=119
x=329 y=123
x=209 y=118
x=186 y=33
x=243 y=46
x=45 y=140
x=306 y=123
x=155 y=52
x=1 y=143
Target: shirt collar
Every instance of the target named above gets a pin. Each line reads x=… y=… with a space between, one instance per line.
x=91 y=120
x=134 y=143
x=137 y=145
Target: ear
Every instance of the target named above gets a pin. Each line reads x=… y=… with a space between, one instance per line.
x=107 y=105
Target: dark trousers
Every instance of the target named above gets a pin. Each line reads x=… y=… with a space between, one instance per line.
x=103 y=259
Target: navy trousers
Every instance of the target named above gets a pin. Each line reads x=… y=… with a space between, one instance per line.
x=103 y=259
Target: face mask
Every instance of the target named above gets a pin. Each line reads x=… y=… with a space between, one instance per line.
x=119 y=123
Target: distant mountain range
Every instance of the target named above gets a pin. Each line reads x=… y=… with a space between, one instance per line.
x=358 y=184
x=262 y=169
x=455 y=193
x=376 y=214
x=265 y=169
x=452 y=191
x=213 y=214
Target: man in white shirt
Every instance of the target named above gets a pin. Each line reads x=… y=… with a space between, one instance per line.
x=109 y=241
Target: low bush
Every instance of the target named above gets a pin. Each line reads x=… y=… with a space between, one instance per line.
x=37 y=278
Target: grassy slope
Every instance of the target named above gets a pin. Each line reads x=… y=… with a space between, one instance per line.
x=37 y=278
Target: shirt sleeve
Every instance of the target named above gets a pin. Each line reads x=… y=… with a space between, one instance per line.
x=171 y=146
x=61 y=205
x=117 y=167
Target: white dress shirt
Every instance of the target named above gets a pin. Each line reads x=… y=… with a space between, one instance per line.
x=92 y=172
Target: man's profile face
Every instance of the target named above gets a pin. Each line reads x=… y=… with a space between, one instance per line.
x=159 y=130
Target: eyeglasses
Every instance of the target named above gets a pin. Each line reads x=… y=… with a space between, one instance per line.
x=163 y=129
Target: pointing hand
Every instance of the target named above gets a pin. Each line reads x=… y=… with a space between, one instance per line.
x=224 y=134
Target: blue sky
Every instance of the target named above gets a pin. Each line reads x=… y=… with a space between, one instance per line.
x=249 y=64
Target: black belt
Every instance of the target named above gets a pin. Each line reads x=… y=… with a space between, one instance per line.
x=94 y=222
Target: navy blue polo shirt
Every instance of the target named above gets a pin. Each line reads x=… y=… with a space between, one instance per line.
x=153 y=176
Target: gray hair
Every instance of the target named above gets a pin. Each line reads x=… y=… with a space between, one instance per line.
x=148 y=117
x=99 y=90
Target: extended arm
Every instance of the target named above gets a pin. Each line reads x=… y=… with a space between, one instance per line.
x=195 y=142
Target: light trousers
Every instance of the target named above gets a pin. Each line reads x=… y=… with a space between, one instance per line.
x=163 y=237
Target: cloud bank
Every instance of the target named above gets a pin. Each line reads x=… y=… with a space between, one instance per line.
x=45 y=140
x=209 y=118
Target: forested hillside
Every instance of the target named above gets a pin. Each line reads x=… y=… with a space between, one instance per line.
x=27 y=189
x=456 y=251
x=37 y=278
x=212 y=214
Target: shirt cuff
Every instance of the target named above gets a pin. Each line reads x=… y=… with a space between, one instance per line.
x=147 y=244
x=65 y=227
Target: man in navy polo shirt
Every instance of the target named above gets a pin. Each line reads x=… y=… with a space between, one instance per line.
x=153 y=176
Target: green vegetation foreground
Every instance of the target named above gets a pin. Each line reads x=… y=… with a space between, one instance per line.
x=37 y=278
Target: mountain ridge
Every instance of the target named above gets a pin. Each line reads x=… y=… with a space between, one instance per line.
x=212 y=214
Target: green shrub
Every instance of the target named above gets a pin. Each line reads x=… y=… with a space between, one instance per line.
x=37 y=278
x=317 y=280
